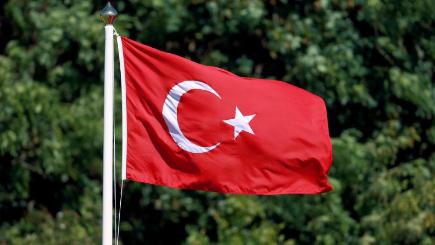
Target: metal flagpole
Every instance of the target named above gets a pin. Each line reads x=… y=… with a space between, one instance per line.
x=108 y=15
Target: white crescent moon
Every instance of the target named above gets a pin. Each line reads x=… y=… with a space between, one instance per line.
x=170 y=114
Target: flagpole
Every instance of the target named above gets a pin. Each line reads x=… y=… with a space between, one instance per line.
x=108 y=15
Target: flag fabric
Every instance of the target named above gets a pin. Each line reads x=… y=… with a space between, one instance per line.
x=193 y=126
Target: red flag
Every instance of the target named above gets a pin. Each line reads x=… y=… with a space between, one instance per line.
x=199 y=127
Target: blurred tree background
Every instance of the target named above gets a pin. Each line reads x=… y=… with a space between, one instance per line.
x=372 y=61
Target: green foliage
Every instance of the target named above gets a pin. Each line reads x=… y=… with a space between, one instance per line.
x=372 y=61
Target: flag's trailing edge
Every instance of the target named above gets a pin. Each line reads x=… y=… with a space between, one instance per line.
x=124 y=108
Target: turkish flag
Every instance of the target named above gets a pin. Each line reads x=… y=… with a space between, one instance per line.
x=194 y=126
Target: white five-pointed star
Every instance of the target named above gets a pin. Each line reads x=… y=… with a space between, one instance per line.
x=240 y=123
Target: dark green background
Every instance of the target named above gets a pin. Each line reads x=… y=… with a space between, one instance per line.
x=372 y=61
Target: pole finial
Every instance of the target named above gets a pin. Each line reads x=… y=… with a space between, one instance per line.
x=108 y=14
